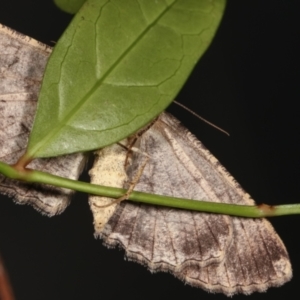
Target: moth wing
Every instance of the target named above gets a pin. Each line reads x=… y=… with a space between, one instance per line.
x=165 y=238
x=256 y=260
x=215 y=252
x=22 y=64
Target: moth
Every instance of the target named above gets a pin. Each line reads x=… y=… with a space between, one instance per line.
x=215 y=252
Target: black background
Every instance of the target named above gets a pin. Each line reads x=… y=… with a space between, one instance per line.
x=247 y=84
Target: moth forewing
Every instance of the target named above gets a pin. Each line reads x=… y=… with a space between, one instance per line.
x=22 y=64
x=215 y=252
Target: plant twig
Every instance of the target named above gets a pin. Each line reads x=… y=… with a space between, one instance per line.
x=6 y=292
x=249 y=211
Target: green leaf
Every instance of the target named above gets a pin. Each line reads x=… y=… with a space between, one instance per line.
x=117 y=66
x=69 y=6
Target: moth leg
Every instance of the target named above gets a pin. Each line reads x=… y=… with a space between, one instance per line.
x=111 y=169
x=132 y=185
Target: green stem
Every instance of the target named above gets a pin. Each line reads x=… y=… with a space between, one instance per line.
x=252 y=211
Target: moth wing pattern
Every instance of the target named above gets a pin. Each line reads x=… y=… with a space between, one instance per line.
x=22 y=64
x=215 y=252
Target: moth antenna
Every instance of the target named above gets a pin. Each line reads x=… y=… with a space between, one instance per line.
x=129 y=149
x=201 y=118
